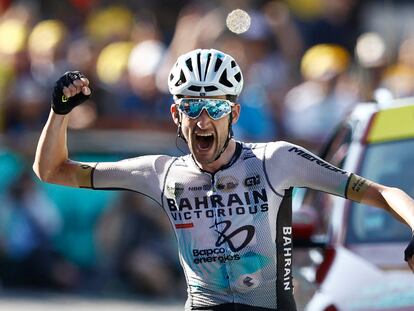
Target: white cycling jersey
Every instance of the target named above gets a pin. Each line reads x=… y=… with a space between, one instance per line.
x=233 y=227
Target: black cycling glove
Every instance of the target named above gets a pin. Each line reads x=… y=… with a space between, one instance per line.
x=60 y=103
x=409 y=251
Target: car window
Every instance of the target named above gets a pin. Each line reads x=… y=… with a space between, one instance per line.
x=336 y=149
x=389 y=164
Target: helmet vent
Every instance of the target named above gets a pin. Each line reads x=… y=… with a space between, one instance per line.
x=210 y=88
x=237 y=76
x=194 y=88
x=205 y=72
x=189 y=65
x=182 y=79
x=218 y=64
x=199 y=65
x=208 y=63
x=223 y=79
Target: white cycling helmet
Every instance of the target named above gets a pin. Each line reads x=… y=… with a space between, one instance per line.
x=205 y=73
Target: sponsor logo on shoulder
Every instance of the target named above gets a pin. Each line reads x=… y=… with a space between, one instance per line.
x=227 y=183
x=181 y=164
x=252 y=181
x=175 y=190
x=206 y=187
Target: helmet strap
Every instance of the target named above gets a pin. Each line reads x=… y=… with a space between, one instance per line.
x=179 y=131
x=180 y=135
x=229 y=137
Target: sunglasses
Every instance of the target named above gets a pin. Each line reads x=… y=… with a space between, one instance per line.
x=193 y=107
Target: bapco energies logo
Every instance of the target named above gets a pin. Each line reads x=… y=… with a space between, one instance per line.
x=226 y=237
x=219 y=254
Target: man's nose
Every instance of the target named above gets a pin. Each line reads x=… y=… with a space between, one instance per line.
x=203 y=120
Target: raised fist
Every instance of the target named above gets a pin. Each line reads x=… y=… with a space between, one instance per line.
x=71 y=90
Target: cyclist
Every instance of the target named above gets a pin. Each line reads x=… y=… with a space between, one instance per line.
x=229 y=202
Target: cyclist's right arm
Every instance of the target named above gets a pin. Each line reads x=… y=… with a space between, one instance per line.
x=51 y=162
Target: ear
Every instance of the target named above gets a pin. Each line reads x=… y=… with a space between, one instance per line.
x=174 y=114
x=235 y=111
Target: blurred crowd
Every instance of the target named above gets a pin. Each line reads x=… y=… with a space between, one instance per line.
x=306 y=63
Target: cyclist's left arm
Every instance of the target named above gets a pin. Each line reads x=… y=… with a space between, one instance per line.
x=297 y=167
x=394 y=200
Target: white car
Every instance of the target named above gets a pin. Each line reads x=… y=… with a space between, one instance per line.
x=360 y=266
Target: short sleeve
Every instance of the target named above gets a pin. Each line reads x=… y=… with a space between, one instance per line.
x=142 y=174
x=288 y=165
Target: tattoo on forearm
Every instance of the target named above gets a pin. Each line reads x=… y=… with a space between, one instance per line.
x=357 y=187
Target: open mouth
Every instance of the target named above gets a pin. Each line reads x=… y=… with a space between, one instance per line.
x=204 y=141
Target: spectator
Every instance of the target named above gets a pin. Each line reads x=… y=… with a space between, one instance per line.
x=316 y=106
x=135 y=243
x=28 y=224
